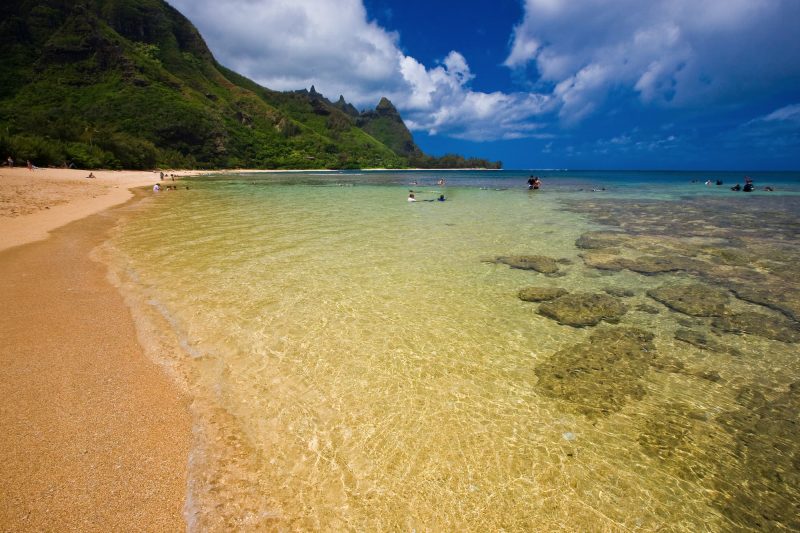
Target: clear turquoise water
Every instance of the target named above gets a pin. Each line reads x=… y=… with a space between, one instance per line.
x=361 y=362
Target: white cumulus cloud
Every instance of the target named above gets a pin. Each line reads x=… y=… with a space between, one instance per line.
x=579 y=55
x=673 y=53
x=332 y=44
x=288 y=45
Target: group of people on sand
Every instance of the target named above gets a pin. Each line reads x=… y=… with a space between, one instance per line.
x=158 y=187
x=534 y=183
x=9 y=162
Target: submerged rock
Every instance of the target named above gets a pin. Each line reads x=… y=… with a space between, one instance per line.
x=651 y=264
x=594 y=240
x=709 y=375
x=770 y=327
x=760 y=489
x=779 y=296
x=541 y=294
x=670 y=364
x=649 y=309
x=599 y=376
x=602 y=260
x=695 y=300
x=583 y=309
x=728 y=256
x=664 y=434
x=539 y=263
x=644 y=264
x=619 y=292
x=704 y=342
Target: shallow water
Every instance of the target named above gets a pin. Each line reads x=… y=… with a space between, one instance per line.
x=361 y=362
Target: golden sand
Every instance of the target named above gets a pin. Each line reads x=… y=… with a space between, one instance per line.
x=95 y=436
x=33 y=203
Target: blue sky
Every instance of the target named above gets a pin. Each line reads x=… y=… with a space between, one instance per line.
x=605 y=84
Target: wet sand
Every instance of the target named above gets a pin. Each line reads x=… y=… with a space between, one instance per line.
x=95 y=436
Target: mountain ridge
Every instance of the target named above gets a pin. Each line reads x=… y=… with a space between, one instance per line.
x=132 y=84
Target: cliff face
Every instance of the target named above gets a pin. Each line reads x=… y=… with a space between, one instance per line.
x=131 y=83
x=386 y=125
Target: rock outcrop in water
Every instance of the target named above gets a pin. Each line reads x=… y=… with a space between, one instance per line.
x=747 y=248
x=695 y=299
x=770 y=327
x=599 y=376
x=619 y=292
x=779 y=296
x=541 y=294
x=704 y=342
x=653 y=264
x=760 y=489
x=594 y=240
x=607 y=259
x=647 y=308
x=583 y=309
x=644 y=264
x=672 y=430
x=539 y=263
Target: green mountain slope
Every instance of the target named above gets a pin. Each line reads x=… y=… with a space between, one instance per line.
x=132 y=84
x=386 y=125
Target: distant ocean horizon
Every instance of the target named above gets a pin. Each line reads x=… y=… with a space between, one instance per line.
x=659 y=182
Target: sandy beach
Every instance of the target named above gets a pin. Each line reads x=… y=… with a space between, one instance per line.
x=95 y=435
x=33 y=203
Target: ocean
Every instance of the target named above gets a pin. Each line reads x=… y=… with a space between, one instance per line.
x=614 y=351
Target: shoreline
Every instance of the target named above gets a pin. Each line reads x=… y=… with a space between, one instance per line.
x=34 y=203
x=96 y=434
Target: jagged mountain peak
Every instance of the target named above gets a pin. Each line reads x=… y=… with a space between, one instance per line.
x=386 y=107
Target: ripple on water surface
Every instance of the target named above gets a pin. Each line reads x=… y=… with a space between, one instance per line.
x=367 y=363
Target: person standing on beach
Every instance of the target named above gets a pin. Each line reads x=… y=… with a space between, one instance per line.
x=30 y=165
x=10 y=162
